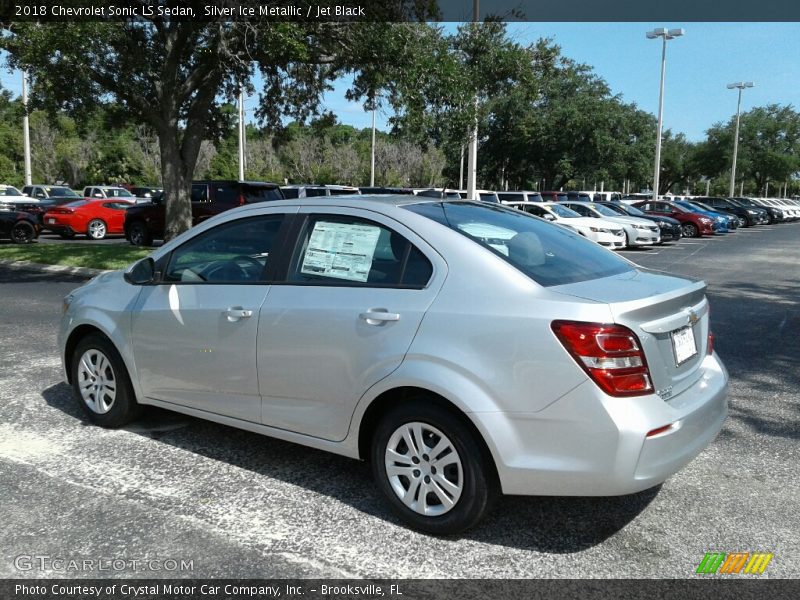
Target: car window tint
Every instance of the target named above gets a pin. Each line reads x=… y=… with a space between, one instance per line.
x=200 y=193
x=341 y=250
x=545 y=252
x=234 y=252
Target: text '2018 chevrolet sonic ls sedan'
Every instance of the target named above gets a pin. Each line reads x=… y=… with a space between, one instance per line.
x=465 y=349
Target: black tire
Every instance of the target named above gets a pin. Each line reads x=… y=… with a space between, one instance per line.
x=478 y=486
x=743 y=221
x=139 y=235
x=67 y=234
x=101 y=233
x=690 y=230
x=23 y=233
x=124 y=408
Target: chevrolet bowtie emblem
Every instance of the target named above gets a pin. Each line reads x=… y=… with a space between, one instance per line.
x=693 y=318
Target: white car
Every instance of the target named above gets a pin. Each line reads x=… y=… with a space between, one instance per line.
x=605 y=233
x=11 y=195
x=639 y=232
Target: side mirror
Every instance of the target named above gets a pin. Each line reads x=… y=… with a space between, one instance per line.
x=142 y=272
x=549 y=217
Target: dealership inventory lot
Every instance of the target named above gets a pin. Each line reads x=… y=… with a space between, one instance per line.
x=241 y=505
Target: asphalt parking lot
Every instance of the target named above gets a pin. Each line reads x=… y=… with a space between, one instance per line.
x=241 y=505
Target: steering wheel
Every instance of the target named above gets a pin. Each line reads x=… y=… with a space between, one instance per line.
x=230 y=263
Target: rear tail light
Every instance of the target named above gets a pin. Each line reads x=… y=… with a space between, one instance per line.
x=610 y=354
x=242 y=200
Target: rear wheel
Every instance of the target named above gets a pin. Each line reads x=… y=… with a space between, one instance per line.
x=690 y=230
x=23 y=233
x=430 y=466
x=101 y=382
x=139 y=235
x=96 y=230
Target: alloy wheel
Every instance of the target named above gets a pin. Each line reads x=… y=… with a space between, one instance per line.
x=22 y=233
x=689 y=230
x=424 y=469
x=96 y=381
x=97 y=229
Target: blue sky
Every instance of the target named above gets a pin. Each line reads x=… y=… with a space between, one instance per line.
x=699 y=65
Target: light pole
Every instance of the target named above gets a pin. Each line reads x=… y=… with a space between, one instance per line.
x=665 y=35
x=26 y=135
x=372 y=151
x=241 y=133
x=737 y=86
x=472 y=158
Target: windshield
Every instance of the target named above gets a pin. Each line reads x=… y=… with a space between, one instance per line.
x=689 y=206
x=562 y=211
x=118 y=193
x=10 y=191
x=604 y=210
x=633 y=211
x=548 y=254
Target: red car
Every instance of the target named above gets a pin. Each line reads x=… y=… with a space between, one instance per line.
x=692 y=224
x=94 y=218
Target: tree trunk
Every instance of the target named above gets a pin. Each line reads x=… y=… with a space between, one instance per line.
x=177 y=178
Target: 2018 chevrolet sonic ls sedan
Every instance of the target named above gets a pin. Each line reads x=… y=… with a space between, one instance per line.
x=465 y=349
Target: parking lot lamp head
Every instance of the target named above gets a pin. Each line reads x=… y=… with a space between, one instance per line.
x=665 y=34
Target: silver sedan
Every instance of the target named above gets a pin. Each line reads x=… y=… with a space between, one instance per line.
x=463 y=349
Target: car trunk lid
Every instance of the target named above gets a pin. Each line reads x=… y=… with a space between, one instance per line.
x=669 y=314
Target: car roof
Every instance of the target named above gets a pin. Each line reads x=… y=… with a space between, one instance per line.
x=357 y=201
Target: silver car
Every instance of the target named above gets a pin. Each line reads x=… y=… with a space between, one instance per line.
x=464 y=349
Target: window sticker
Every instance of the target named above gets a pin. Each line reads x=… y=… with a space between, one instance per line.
x=341 y=250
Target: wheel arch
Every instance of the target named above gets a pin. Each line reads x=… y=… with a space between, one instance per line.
x=396 y=396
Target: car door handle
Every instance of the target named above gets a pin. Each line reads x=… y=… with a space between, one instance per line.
x=378 y=316
x=237 y=312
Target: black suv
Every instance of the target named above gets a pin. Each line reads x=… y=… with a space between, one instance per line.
x=145 y=222
x=746 y=215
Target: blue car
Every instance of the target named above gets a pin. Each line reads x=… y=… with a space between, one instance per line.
x=722 y=221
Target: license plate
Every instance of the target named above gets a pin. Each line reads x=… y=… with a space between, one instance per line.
x=51 y=221
x=683 y=345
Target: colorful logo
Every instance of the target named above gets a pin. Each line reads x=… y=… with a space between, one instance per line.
x=754 y=563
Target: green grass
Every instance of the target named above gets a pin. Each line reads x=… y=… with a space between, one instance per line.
x=94 y=256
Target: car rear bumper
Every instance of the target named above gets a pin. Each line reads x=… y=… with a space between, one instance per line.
x=590 y=444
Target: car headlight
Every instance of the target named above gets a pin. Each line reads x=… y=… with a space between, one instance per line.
x=640 y=226
x=600 y=230
x=664 y=225
x=752 y=212
x=705 y=220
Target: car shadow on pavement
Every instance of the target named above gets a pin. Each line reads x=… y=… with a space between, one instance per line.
x=20 y=275
x=551 y=524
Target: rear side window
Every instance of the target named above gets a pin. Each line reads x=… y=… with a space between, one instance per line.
x=315 y=192
x=257 y=193
x=548 y=254
x=199 y=193
x=350 y=251
x=507 y=197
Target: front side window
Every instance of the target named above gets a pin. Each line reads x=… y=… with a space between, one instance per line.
x=235 y=252
x=548 y=254
x=343 y=250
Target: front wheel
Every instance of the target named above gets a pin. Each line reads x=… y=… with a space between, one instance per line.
x=101 y=383
x=690 y=230
x=742 y=221
x=139 y=235
x=23 y=233
x=431 y=468
x=97 y=229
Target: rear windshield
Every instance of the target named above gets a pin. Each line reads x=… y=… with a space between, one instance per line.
x=547 y=253
x=77 y=203
x=62 y=191
x=257 y=193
